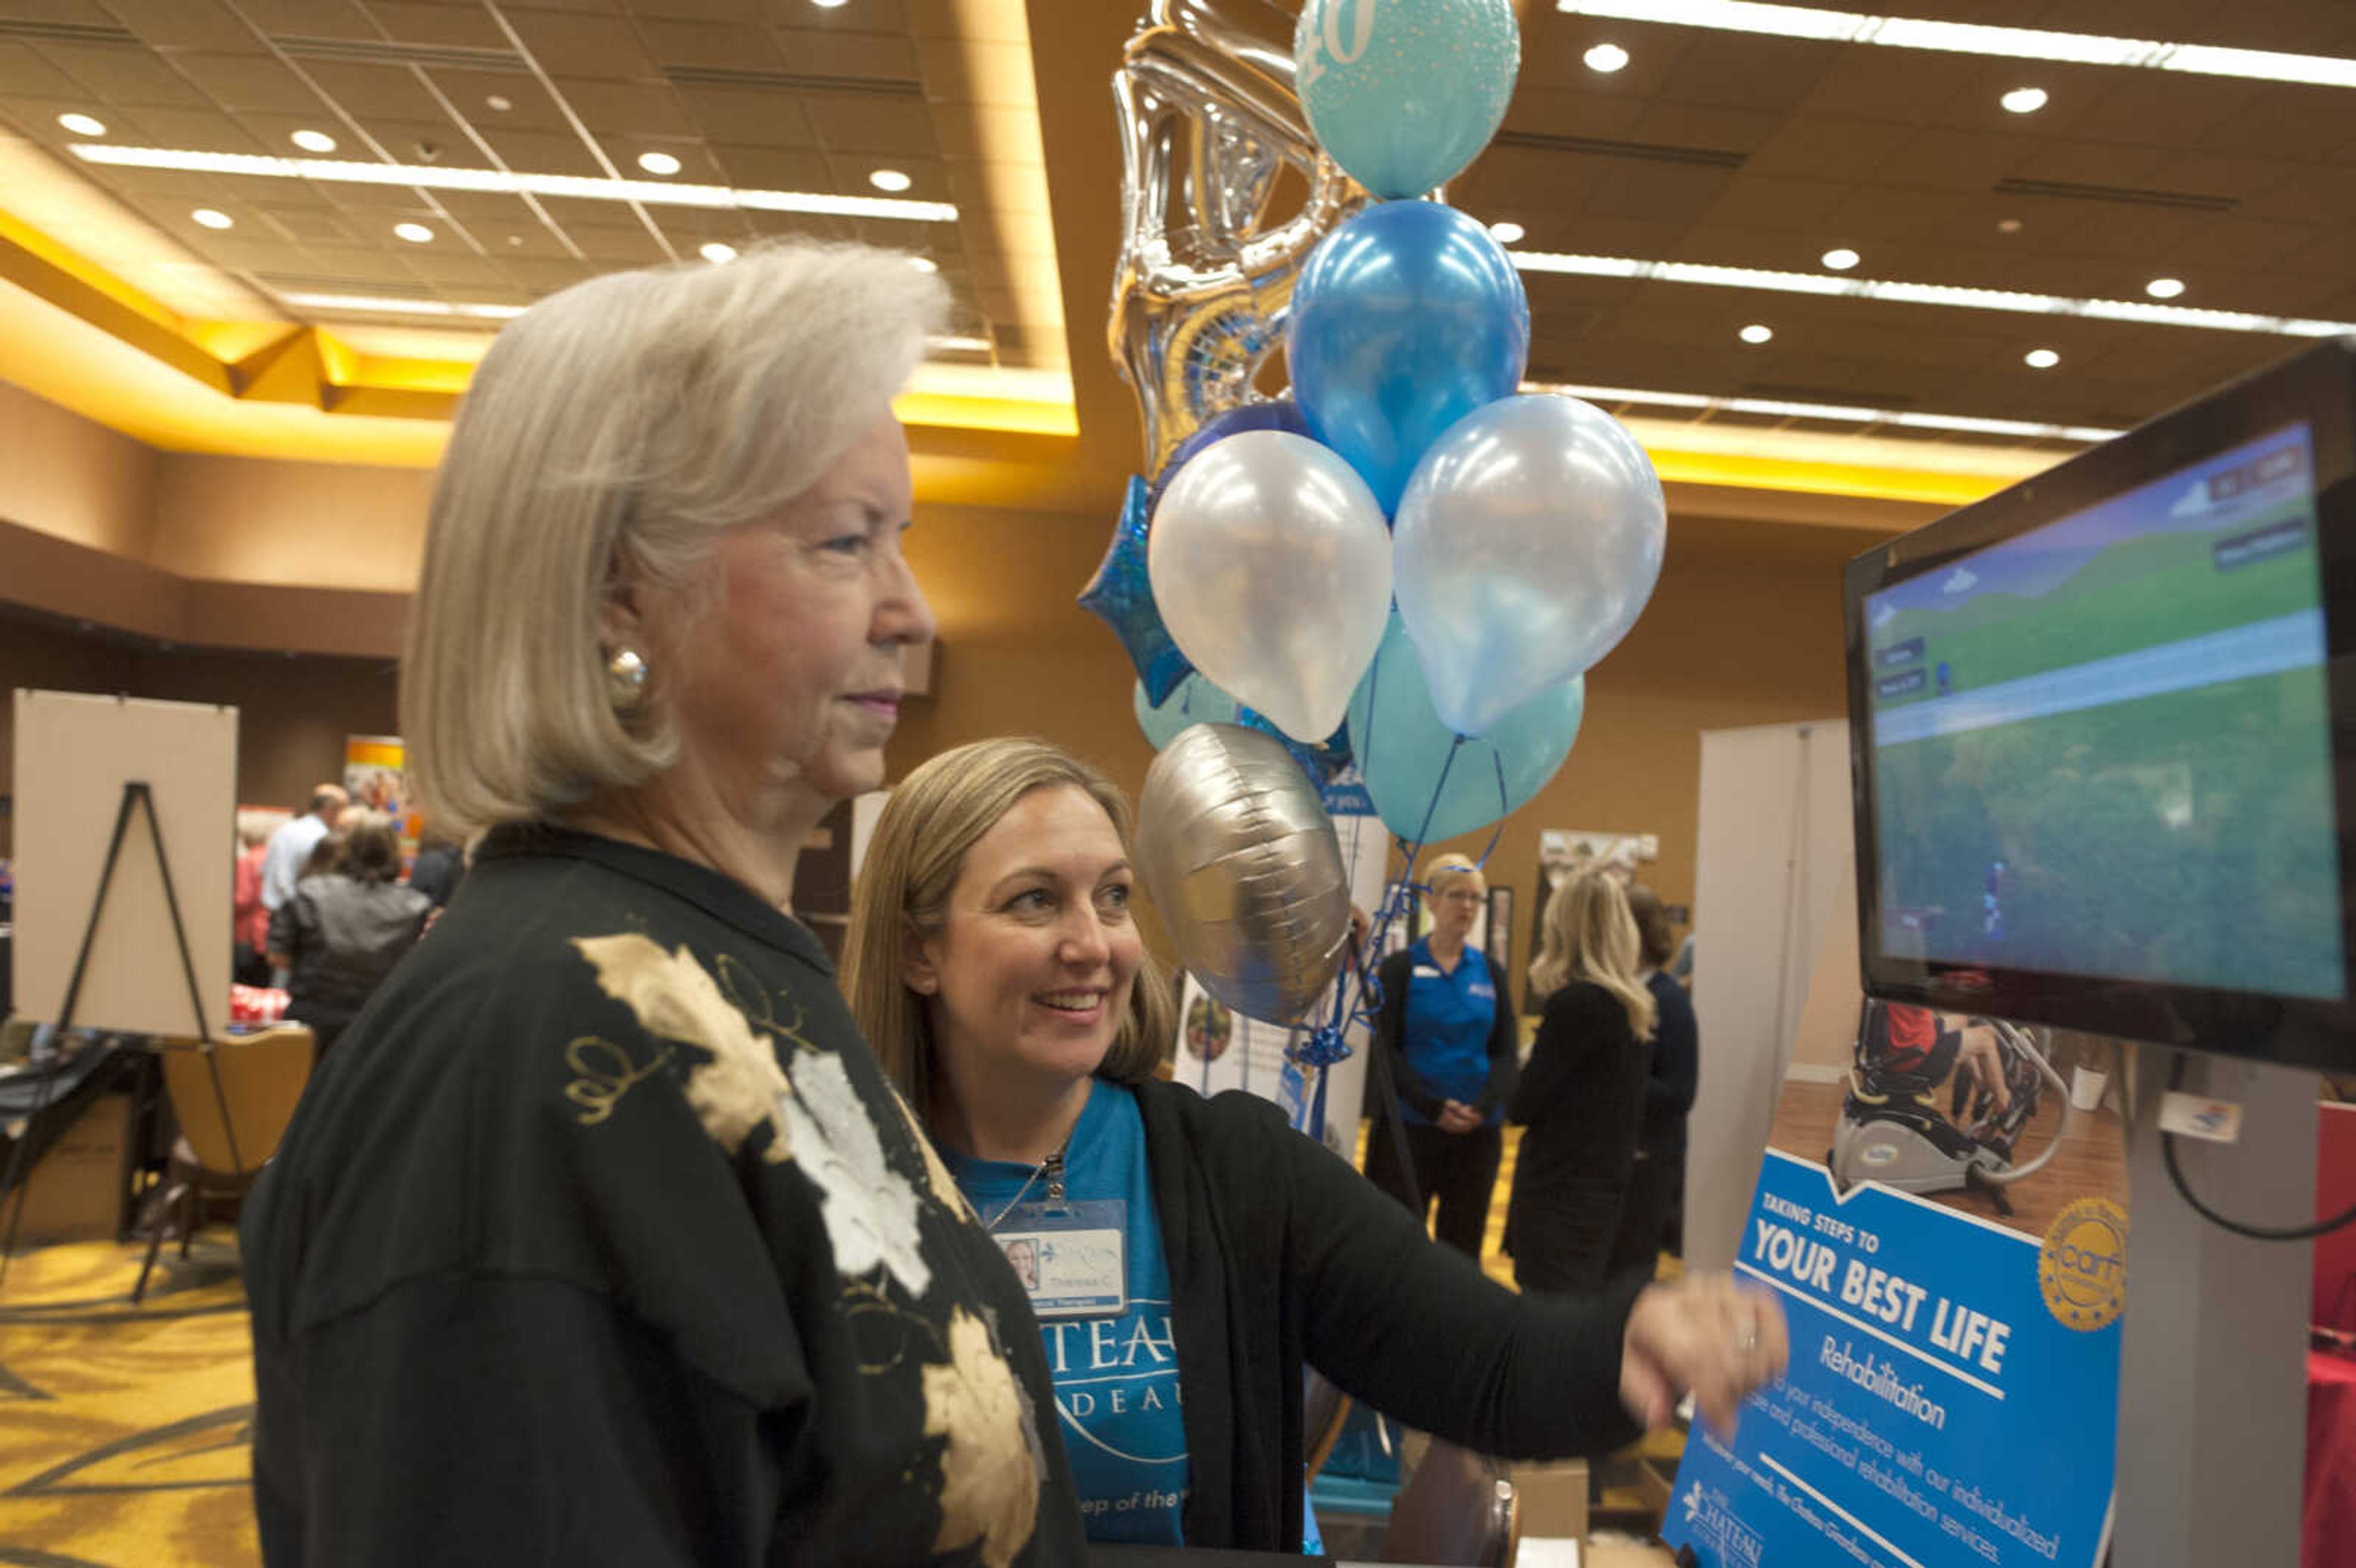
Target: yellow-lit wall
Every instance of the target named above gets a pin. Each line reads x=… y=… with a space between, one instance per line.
x=65 y=477
x=322 y=525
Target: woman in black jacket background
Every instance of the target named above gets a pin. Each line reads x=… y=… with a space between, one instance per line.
x=1581 y=1096
x=1647 y=1223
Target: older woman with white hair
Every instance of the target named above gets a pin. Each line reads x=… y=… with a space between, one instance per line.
x=600 y=1238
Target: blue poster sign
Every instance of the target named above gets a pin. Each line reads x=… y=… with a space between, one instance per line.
x=1952 y=1394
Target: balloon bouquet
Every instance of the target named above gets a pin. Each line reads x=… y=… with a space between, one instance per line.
x=1405 y=563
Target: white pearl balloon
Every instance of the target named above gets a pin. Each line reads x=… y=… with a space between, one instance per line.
x=1272 y=569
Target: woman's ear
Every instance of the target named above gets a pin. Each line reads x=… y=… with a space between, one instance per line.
x=620 y=624
x=919 y=971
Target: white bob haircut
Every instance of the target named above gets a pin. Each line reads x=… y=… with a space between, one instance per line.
x=613 y=432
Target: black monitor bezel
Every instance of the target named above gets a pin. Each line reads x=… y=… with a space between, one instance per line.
x=2317 y=387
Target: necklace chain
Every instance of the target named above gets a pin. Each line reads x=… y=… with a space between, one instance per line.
x=1054 y=1162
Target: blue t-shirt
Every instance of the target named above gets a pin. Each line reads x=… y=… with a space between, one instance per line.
x=1116 y=1374
x=1449 y=1016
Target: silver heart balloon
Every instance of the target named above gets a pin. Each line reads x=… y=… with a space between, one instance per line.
x=1242 y=862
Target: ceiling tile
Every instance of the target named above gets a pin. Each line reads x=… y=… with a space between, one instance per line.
x=750 y=117
x=375 y=91
x=460 y=27
x=132 y=78
x=774 y=168
x=870 y=123
x=183 y=23
x=203 y=130
x=470 y=91
x=883 y=55
x=250 y=81
x=748 y=11
x=624 y=109
x=24 y=73
x=540 y=152
x=735 y=48
x=1824 y=147
x=308 y=18
x=573 y=44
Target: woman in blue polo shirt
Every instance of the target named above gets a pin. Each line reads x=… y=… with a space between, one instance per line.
x=1446 y=1031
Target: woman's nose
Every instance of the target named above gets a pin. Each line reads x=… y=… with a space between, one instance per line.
x=1085 y=940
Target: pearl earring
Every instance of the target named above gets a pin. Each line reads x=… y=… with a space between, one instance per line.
x=626 y=680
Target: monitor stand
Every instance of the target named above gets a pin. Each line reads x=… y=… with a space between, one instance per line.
x=2212 y=1360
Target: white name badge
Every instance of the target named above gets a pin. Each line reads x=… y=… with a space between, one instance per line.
x=1072 y=1258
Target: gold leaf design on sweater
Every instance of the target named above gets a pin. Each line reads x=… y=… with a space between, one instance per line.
x=990 y=1466
x=675 y=999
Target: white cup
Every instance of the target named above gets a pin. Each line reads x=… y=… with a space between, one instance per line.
x=2086 y=1086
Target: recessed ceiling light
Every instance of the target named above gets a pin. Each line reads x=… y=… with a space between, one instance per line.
x=82 y=124
x=828 y=4
x=580 y=187
x=2040 y=358
x=2164 y=288
x=2008 y=225
x=1605 y=57
x=499 y=104
x=213 y=219
x=1755 y=333
x=2015 y=301
x=658 y=163
x=716 y=253
x=2023 y=99
x=1841 y=259
x=1974 y=39
x=924 y=263
x=415 y=233
x=956 y=344
x=889 y=179
x=1506 y=233
x=314 y=141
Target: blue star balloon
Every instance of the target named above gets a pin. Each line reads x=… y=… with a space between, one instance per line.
x=1122 y=598
x=1320 y=762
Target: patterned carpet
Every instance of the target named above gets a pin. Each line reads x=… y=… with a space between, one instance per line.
x=124 y=1438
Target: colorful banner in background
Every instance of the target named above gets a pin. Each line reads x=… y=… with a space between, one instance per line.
x=376 y=778
x=1953 y=1393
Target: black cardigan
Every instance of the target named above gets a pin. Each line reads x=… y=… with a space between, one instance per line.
x=1280 y=1255
x=1395 y=975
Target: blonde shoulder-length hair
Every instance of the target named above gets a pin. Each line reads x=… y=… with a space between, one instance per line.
x=913 y=856
x=1592 y=936
x=613 y=432
x=1444 y=871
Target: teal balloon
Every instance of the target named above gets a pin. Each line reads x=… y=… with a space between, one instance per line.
x=1403 y=94
x=1196 y=701
x=1403 y=747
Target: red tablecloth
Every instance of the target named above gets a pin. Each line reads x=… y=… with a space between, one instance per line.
x=2328 y=1534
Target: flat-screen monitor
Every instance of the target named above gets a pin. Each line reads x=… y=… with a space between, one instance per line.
x=2103 y=726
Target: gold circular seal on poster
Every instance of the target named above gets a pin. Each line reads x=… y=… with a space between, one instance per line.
x=2082 y=1269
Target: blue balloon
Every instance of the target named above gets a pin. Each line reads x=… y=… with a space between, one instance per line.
x=1407 y=318
x=1196 y=701
x=1267 y=413
x=1121 y=594
x=1403 y=94
x=1403 y=748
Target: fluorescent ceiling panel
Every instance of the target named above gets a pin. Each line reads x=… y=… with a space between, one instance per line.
x=1973 y=38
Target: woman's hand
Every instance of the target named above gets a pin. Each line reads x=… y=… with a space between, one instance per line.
x=1455 y=1116
x=1704 y=1333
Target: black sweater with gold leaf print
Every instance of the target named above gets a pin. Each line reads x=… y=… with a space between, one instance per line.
x=601 y=1239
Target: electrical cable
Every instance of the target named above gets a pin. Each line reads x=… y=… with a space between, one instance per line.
x=2254 y=1232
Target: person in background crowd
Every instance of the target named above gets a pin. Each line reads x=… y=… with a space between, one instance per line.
x=249 y=919
x=345 y=928
x=600 y=1238
x=1581 y=1097
x=1203 y=1253
x=284 y=863
x=1657 y=1182
x=1446 y=1033
x=438 y=867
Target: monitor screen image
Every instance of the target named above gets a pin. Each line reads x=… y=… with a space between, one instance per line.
x=2102 y=733
x=2097 y=742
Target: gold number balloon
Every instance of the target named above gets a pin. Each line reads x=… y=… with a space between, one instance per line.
x=1209 y=119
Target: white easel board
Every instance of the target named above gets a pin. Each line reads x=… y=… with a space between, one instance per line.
x=74 y=755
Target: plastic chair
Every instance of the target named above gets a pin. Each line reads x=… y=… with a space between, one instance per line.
x=232 y=1099
x=1458 y=1507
